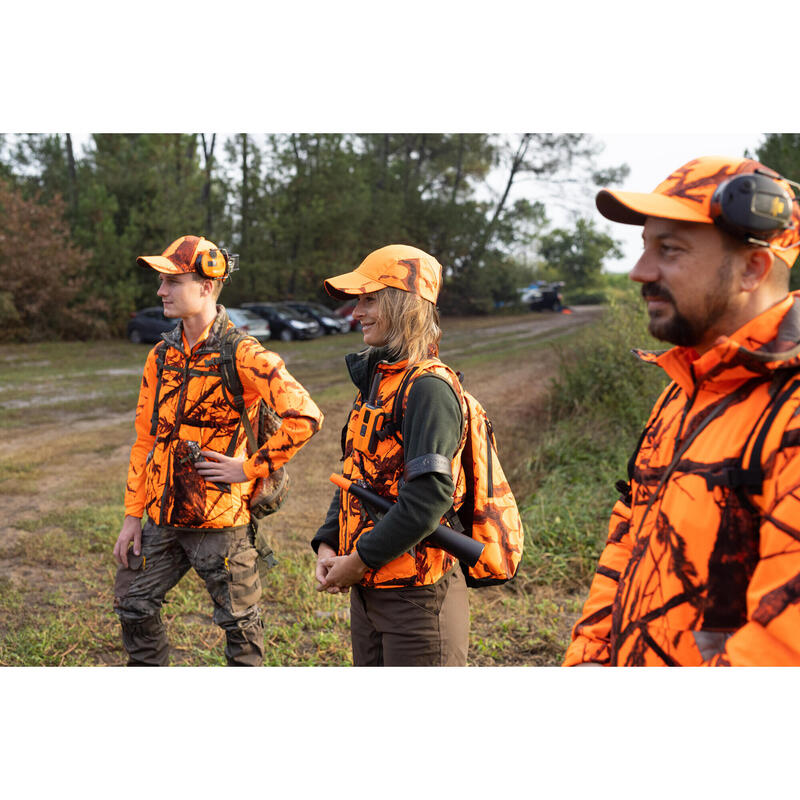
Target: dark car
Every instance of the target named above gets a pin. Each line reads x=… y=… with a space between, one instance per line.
x=250 y=322
x=286 y=323
x=148 y=324
x=346 y=312
x=542 y=296
x=329 y=322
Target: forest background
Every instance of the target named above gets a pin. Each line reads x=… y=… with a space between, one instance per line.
x=296 y=207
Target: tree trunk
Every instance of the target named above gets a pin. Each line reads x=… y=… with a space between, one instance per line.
x=72 y=182
x=208 y=164
x=245 y=196
x=459 y=168
x=516 y=163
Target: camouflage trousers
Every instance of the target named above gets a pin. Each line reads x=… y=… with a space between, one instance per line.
x=225 y=560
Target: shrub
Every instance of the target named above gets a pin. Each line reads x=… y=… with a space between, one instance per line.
x=596 y=407
x=43 y=275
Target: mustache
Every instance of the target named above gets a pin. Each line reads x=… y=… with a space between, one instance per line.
x=655 y=291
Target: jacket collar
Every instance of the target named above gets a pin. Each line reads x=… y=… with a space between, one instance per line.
x=767 y=342
x=213 y=339
x=361 y=365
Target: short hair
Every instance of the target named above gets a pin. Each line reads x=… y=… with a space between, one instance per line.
x=217 y=288
x=778 y=276
x=412 y=322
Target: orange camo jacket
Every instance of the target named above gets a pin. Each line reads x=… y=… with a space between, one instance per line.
x=696 y=572
x=192 y=405
x=382 y=471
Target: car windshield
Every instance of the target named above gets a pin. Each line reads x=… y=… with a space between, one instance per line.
x=320 y=309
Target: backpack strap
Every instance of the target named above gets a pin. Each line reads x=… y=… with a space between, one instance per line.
x=624 y=487
x=395 y=427
x=748 y=473
x=161 y=354
x=432 y=462
x=229 y=373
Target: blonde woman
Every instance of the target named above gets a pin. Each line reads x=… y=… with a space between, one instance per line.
x=408 y=604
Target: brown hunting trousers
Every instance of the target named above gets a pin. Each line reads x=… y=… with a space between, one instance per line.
x=225 y=560
x=418 y=626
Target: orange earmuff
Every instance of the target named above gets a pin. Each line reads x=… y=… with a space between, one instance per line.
x=212 y=264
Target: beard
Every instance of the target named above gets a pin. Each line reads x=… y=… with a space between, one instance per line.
x=689 y=331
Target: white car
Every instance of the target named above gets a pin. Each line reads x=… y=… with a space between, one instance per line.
x=250 y=323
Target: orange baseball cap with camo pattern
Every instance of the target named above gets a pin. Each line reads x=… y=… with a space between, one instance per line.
x=399 y=265
x=179 y=257
x=686 y=196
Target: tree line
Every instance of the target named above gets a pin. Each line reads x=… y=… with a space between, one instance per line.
x=296 y=207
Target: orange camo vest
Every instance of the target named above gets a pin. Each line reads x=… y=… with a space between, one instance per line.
x=382 y=471
x=189 y=404
x=699 y=569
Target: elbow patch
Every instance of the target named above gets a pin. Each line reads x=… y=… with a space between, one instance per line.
x=422 y=465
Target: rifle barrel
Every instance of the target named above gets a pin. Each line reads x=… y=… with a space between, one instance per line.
x=463 y=547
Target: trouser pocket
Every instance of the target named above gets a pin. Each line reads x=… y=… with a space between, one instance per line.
x=245 y=583
x=126 y=576
x=227 y=564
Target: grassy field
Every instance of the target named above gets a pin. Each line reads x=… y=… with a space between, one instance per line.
x=67 y=413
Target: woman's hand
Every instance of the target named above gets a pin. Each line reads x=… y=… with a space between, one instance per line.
x=324 y=554
x=223 y=469
x=339 y=573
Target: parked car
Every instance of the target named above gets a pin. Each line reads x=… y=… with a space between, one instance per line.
x=148 y=324
x=250 y=322
x=540 y=296
x=329 y=322
x=286 y=323
x=345 y=311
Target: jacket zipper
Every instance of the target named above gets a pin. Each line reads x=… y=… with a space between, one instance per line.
x=489 y=480
x=178 y=422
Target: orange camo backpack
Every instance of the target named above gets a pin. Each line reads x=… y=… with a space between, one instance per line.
x=489 y=512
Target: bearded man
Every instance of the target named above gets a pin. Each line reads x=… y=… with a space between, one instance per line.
x=702 y=561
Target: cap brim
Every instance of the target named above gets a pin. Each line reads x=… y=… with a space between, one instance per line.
x=160 y=264
x=344 y=286
x=633 y=208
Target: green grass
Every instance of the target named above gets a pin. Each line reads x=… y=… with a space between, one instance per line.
x=574 y=451
x=596 y=407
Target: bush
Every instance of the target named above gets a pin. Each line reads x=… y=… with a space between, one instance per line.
x=585 y=297
x=596 y=407
x=600 y=375
x=44 y=276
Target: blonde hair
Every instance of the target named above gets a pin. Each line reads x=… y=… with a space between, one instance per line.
x=412 y=324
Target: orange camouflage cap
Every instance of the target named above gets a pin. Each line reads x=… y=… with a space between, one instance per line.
x=686 y=196
x=399 y=265
x=179 y=257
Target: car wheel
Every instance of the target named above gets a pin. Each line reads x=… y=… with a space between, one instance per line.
x=135 y=336
x=286 y=335
x=557 y=306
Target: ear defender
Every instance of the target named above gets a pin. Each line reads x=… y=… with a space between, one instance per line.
x=212 y=264
x=752 y=207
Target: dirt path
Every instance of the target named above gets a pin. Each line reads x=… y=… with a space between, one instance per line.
x=71 y=459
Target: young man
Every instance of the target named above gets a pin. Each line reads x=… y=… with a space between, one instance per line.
x=198 y=508
x=702 y=562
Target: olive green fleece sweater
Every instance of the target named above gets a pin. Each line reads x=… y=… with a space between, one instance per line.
x=432 y=423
